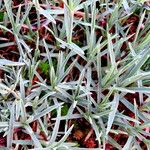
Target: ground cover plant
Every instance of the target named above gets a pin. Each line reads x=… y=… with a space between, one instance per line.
x=75 y=74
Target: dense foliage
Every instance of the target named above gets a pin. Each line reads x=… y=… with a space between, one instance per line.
x=75 y=74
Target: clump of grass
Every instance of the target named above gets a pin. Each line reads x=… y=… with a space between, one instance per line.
x=74 y=62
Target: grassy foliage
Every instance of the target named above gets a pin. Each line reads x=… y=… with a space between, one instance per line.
x=68 y=65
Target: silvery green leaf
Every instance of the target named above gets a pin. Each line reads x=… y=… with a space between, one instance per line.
x=128 y=143
x=73 y=47
x=46 y=111
x=63 y=139
x=10 y=63
x=23 y=142
x=33 y=136
x=56 y=11
x=3 y=27
x=140 y=89
x=11 y=128
x=6 y=44
x=47 y=15
x=112 y=114
x=56 y=127
x=126 y=6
